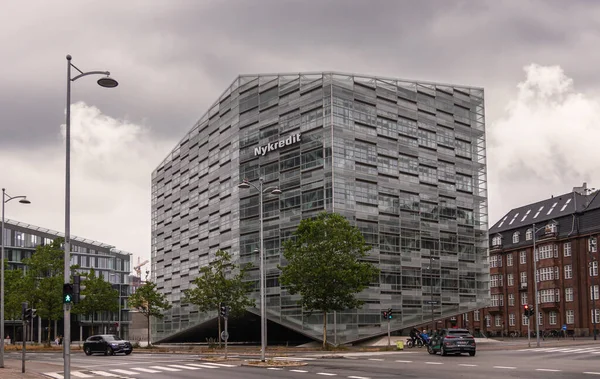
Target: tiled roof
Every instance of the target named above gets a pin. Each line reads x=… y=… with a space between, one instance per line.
x=545 y=210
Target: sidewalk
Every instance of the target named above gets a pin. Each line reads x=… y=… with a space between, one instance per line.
x=12 y=369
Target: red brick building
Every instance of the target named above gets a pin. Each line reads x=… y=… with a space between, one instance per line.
x=566 y=230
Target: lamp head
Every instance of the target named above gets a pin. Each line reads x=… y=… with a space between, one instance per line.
x=244 y=184
x=24 y=201
x=276 y=191
x=107 y=82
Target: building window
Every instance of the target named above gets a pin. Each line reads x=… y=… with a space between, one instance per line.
x=546 y=252
x=516 y=237
x=568 y=271
x=552 y=318
x=495 y=261
x=592 y=244
x=496 y=280
x=476 y=316
x=509 y=260
x=511 y=299
x=511 y=280
x=547 y=273
x=524 y=299
x=567 y=249
x=569 y=294
x=594 y=268
x=497 y=241
x=523 y=277
x=524 y=320
x=540 y=318
x=466 y=317
x=511 y=319
x=528 y=235
x=523 y=257
x=570 y=316
x=488 y=321
x=498 y=320
x=596 y=316
x=594 y=292
x=547 y=296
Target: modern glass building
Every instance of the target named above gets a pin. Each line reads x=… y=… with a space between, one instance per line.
x=114 y=265
x=404 y=161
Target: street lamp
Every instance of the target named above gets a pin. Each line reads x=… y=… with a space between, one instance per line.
x=263 y=316
x=118 y=276
x=535 y=285
x=5 y=199
x=106 y=82
x=431 y=302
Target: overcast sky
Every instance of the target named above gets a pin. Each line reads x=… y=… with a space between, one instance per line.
x=537 y=60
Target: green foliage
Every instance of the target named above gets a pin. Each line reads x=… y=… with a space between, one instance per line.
x=326 y=265
x=96 y=296
x=148 y=301
x=13 y=290
x=214 y=286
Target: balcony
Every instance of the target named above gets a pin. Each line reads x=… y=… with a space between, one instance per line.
x=554 y=305
x=496 y=247
x=523 y=287
x=495 y=308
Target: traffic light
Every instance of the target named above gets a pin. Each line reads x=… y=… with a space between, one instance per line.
x=528 y=310
x=76 y=288
x=224 y=310
x=67 y=293
x=389 y=313
x=531 y=310
x=26 y=314
x=384 y=314
x=33 y=313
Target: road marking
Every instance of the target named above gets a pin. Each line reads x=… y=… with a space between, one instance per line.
x=126 y=372
x=54 y=375
x=546 y=370
x=466 y=365
x=434 y=363
x=592 y=373
x=358 y=377
x=404 y=361
x=80 y=374
x=185 y=367
x=293 y=359
x=326 y=373
x=298 y=371
x=376 y=359
x=217 y=364
x=505 y=367
x=203 y=366
x=145 y=370
x=596 y=352
x=104 y=373
x=164 y=368
x=274 y=368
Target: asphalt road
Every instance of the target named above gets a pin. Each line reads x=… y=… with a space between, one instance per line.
x=547 y=363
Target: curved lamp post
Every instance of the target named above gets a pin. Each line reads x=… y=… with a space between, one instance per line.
x=263 y=316
x=107 y=82
x=5 y=199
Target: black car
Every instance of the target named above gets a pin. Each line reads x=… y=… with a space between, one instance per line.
x=108 y=344
x=452 y=341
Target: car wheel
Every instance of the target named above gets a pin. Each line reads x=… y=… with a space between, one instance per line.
x=87 y=350
x=430 y=350
x=472 y=353
x=443 y=351
x=128 y=352
x=109 y=351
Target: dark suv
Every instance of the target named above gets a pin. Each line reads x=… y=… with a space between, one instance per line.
x=109 y=344
x=452 y=341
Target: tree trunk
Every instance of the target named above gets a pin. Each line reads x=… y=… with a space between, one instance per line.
x=219 y=322
x=49 y=331
x=14 y=336
x=324 y=330
x=148 y=330
x=92 y=324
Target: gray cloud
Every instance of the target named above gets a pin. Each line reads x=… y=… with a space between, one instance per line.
x=173 y=58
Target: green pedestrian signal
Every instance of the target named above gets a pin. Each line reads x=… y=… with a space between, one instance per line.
x=67 y=293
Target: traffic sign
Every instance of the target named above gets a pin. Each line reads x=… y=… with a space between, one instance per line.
x=224 y=335
x=564 y=327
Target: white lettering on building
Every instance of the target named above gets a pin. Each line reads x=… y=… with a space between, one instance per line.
x=262 y=150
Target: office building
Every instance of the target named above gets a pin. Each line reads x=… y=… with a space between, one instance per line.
x=404 y=161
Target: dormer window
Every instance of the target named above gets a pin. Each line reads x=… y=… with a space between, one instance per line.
x=528 y=235
x=497 y=241
x=592 y=245
x=550 y=228
x=516 y=237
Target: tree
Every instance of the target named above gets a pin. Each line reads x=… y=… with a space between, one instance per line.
x=147 y=300
x=97 y=296
x=326 y=265
x=214 y=286
x=14 y=297
x=42 y=284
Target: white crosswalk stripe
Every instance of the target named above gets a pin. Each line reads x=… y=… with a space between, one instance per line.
x=202 y=366
x=165 y=368
x=131 y=371
x=218 y=364
x=564 y=350
x=145 y=370
x=80 y=374
x=126 y=372
x=104 y=373
x=55 y=375
x=185 y=367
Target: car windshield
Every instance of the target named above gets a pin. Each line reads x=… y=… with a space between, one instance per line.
x=458 y=332
x=111 y=338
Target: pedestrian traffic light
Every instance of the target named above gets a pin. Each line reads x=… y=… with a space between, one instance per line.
x=224 y=310
x=385 y=315
x=389 y=313
x=67 y=293
x=33 y=313
x=76 y=288
x=531 y=310
x=26 y=314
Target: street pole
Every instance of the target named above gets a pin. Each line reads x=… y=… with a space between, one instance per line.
x=594 y=299
x=24 y=306
x=119 y=327
x=535 y=292
x=389 y=334
x=335 y=328
x=227 y=335
x=528 y=332
x=67 y=243
x=263 y=314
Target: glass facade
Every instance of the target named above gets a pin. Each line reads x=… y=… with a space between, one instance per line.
x=403 y=161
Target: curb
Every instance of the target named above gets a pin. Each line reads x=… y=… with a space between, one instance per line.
x=274 y=365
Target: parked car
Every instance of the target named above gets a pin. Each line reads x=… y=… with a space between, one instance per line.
x=109 y=344
x=452 y=341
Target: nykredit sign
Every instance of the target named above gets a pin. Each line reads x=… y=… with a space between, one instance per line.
x=262 y=150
